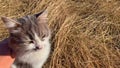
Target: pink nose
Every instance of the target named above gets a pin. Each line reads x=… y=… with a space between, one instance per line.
x=38 y=47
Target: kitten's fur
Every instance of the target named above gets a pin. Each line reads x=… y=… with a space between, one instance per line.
x=29 y=40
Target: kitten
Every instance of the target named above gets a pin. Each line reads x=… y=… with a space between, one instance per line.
x=29 y=40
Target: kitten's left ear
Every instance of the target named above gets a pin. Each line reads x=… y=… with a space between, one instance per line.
x=42 y=16
x=10 y=24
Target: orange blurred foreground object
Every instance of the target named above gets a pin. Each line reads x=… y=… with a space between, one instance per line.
x=5 y=55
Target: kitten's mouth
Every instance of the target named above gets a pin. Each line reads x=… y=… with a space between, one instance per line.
x=34 y=49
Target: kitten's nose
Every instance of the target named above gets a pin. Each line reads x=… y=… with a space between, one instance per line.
x=37 y=47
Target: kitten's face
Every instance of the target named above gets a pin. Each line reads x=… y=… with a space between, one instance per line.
x=29 y=33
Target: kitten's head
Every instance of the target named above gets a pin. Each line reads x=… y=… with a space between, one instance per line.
x=29 y=33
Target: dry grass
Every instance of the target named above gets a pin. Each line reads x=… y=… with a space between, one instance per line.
x=86 y=33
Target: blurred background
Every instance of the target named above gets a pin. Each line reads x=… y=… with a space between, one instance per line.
x=85 y=33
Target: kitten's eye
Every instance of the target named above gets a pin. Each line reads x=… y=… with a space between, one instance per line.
x=31 y=41
x=43 y=38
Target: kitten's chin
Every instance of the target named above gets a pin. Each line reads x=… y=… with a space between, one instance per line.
x=37 y=49
x=34 y=49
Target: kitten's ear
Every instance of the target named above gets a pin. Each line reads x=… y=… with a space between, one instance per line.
x=10 y=24
x=42 y=16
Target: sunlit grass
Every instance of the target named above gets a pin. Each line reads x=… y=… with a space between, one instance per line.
x=85 y=33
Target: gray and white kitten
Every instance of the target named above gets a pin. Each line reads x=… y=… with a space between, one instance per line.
x=29 y=40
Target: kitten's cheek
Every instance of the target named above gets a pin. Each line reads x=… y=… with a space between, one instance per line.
x=30 y=46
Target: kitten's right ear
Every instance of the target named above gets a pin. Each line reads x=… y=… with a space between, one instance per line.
x=42 y=16
x=10 y=23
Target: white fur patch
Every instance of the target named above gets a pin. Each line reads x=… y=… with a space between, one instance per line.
x=37 y=58
x=13 y=66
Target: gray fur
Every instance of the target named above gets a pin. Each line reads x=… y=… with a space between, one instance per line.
x=23 y=32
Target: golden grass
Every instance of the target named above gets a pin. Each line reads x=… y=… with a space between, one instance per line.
x=85 y=33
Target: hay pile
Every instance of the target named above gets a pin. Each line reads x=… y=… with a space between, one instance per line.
x=85 y=33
